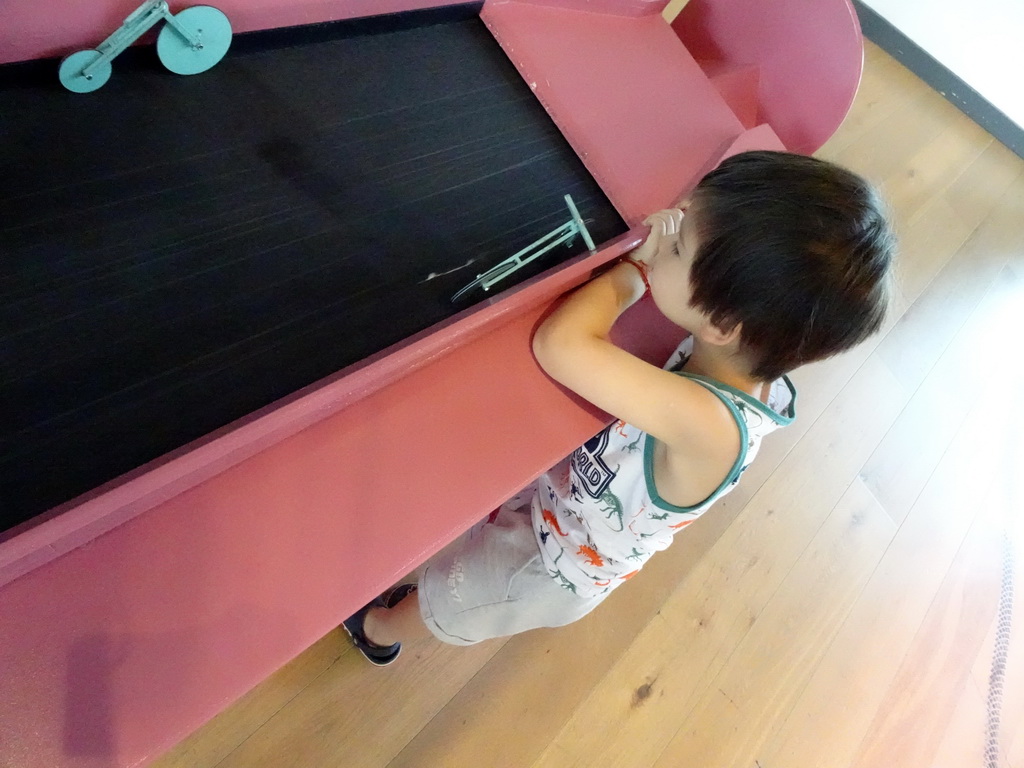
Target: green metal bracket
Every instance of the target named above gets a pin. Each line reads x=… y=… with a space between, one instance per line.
x=563 y=234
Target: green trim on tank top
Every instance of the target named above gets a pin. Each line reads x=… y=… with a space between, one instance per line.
x=737 y=466
x=781 y=419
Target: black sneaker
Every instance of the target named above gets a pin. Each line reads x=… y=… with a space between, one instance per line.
x=380 y=655
x=393 y=597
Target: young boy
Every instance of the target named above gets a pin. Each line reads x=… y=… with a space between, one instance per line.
x=778 y=260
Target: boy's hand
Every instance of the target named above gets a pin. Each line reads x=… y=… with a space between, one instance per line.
x=663 y=224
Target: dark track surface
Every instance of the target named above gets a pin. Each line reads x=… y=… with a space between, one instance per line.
x=176 y=252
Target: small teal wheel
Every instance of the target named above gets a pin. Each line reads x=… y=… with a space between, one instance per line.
x=213 y=32
x=71 y=76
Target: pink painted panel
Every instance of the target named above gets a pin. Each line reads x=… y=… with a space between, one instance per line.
x=759 y=137
x=810 y=56
x=738 y=86
x=630 y=99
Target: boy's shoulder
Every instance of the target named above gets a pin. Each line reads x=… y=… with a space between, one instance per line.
x=724 y=434
x=723 y=418
x=778 y=408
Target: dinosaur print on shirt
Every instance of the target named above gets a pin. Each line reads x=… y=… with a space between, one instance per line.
x=597 y=515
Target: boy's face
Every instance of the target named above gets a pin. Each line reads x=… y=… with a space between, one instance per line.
x=669 y=274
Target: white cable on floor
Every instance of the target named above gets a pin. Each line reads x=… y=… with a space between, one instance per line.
x=1004 y=618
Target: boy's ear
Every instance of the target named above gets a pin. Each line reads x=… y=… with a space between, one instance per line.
x=713 y=334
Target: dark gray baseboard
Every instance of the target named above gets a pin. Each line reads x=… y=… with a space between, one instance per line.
x=883 y=34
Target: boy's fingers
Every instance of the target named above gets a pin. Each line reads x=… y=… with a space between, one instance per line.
x=670 y=218
x=655 y=221
x=654 y=217
x=656 y=224
x=674 y=217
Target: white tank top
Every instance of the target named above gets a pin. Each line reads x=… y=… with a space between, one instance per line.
x=597 y=514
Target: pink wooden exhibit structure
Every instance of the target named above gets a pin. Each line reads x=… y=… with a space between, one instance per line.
x=135 y=613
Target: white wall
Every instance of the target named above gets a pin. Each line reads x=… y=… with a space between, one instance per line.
x=981 y=41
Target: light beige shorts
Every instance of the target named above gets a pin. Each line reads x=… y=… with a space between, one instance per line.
x=491 y=582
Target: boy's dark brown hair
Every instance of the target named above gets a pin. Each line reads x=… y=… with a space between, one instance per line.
x=796 y=249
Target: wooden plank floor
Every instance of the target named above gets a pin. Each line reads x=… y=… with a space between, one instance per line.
x=839 y=609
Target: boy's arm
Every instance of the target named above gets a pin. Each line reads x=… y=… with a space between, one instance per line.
x=572 y=347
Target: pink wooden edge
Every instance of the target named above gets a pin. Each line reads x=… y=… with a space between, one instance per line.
x=70 y=525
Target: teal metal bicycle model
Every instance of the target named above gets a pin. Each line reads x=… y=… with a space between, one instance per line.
x=193 y=40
